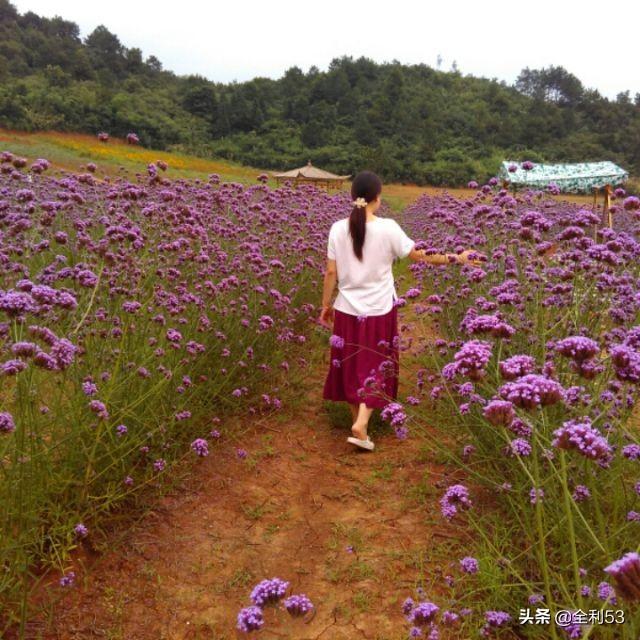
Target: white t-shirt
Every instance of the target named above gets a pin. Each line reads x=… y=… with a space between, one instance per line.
x=367 y=288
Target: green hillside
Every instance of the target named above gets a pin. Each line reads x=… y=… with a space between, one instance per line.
x=408 y=122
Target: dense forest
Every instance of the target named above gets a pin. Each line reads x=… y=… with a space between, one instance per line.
x=408 y=122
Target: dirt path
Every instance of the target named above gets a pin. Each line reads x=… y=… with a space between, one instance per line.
x=291 y=509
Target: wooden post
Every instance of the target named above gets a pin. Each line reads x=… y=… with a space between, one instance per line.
x=607 y=202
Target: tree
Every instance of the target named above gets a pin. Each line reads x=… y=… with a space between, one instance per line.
x=154 y=64
x=554 y=84
x=8 y=13
x=105 y=50
x=200 y=100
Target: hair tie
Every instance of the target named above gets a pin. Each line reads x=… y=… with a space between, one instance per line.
x=359 y=202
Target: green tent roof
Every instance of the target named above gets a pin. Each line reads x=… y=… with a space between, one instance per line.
x=570 y=178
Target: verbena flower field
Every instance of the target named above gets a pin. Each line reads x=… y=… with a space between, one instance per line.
x=135 y=314
x=138 y=313
x=530 y=386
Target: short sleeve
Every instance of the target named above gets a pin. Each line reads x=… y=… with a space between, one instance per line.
x=331 y=247
x=401 y=243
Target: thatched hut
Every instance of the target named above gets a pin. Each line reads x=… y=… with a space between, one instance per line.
x=313 y=175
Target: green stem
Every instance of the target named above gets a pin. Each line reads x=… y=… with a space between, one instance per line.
x=541 y=537
x=571 y=529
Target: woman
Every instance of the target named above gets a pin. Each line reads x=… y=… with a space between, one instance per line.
x=365 y=342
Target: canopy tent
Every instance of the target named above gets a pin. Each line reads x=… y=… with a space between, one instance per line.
x=582 y=177
x=312 y=174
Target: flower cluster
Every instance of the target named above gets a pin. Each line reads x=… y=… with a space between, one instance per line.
x=584 y=438
x=532 y=391
x=626 y=573
x=270 y=593
x=456 y=497
x=470 y=361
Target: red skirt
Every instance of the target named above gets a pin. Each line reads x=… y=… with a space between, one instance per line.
x=364 y=363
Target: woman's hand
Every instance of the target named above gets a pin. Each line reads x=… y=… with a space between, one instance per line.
x=326 y=317
x=469 y=256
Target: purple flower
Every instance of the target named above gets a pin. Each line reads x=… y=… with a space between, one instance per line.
x=607 y=593
x=423 y=613
x=499 y=412
x=532 y=391
x=269 y=591
x=626 y=573
x=581 y=493
x=586 y=439
x=488 y=324
x=456 y=497
x=448 y=618
x=200 y=447
x=80 y=530
x=469 y=565
x=16 y=303
x=241 y=453
x=394 y=413
x=159 y=464
x=7 y=425
x=631 y=203
x=470 y=361
x=407 y=606
x=536 y=495
x=578 y=348
x=24 y=349
x=12 y=367
x=99 y=408
x=336 y=341
x=520 y=447
x=298 y=605
x=174 y=336
x=631 y=451
x=516 y=366
x=626 y=362
x=574 y=627
x=497 y=618
x=68 y=579
x=527 y=165
x=89 y=388
x=250 y=619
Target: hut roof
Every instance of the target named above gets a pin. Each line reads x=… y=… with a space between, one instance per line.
x=311 y=173
x=575 y=178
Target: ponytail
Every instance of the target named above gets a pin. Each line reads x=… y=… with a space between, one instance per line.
x=357 y=228
x=365 y=188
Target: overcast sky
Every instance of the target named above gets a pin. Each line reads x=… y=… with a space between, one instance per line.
x=227 y=40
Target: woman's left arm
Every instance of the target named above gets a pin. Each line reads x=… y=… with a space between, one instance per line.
x=420 y=255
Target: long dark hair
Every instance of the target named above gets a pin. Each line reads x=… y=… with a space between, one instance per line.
x=365 y=185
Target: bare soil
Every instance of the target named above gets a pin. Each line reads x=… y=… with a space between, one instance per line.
x=356 y=531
